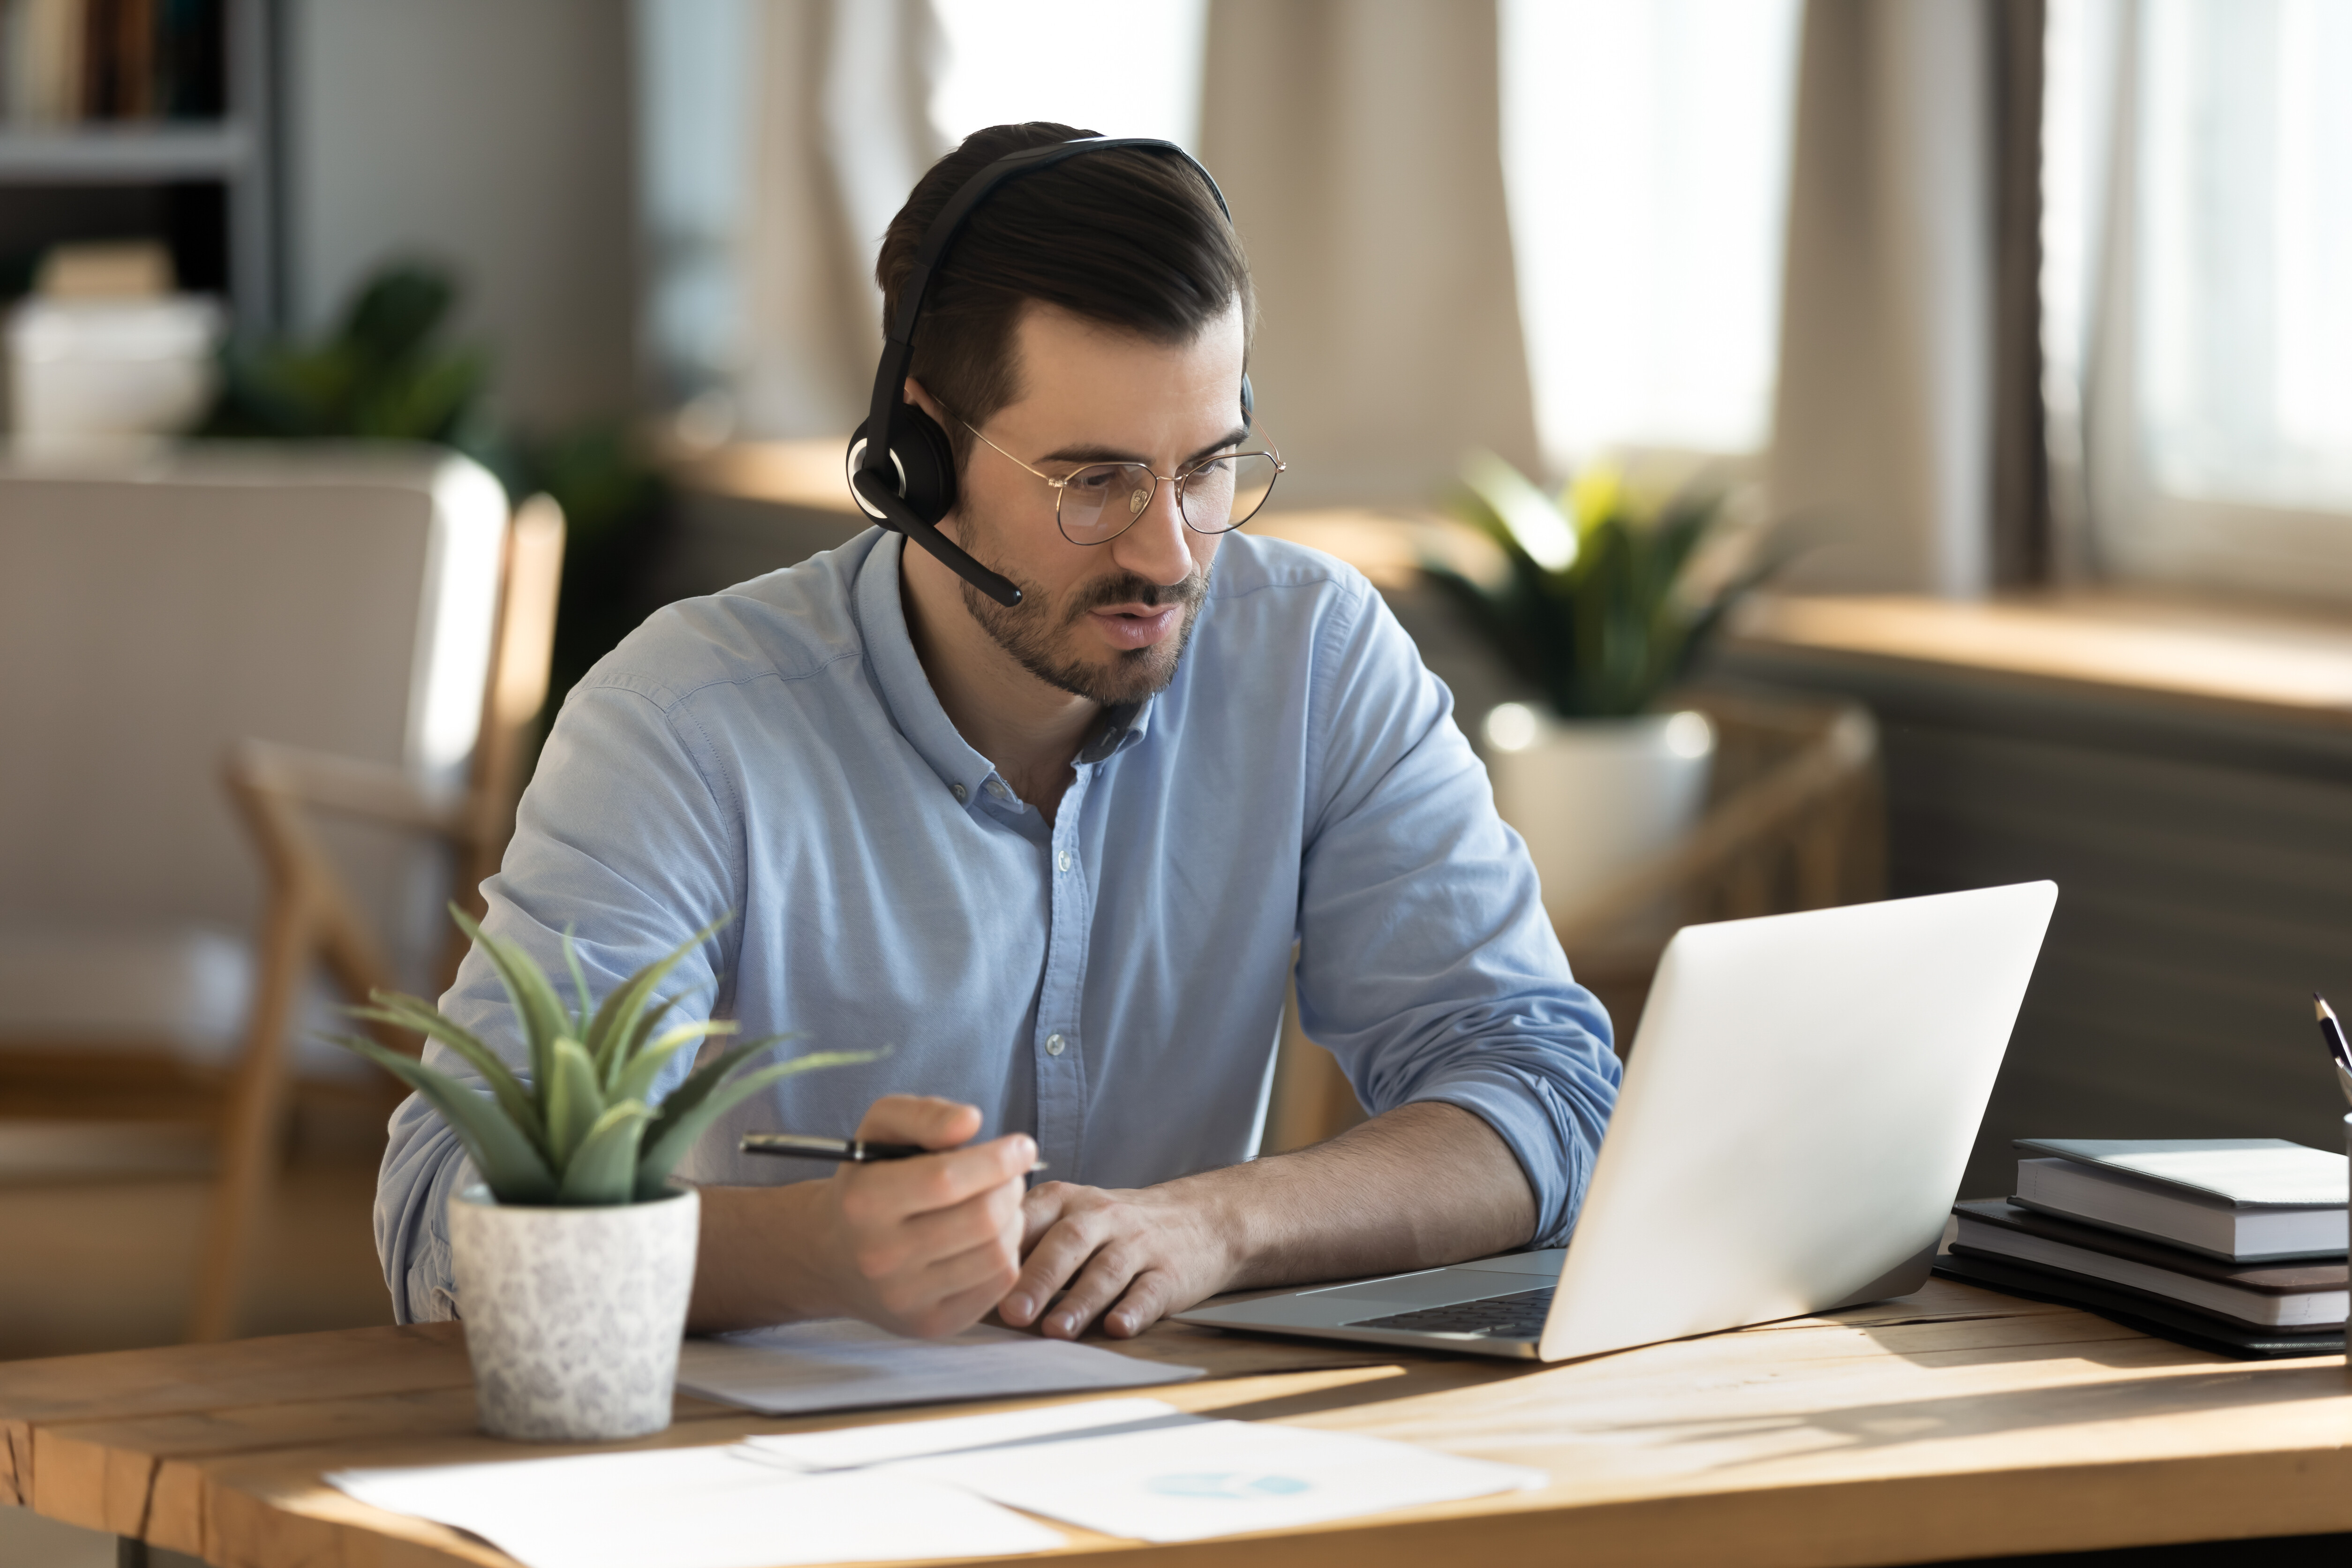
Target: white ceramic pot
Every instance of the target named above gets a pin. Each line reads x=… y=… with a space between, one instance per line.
x=1592 y=796
x=574 y=1315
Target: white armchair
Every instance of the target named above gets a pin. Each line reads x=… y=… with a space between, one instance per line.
x=352 y=629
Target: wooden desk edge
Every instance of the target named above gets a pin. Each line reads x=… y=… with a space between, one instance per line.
x=264 y=1505
x=1855 y=1522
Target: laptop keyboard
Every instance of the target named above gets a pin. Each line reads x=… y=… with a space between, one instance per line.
x=1519 y=1316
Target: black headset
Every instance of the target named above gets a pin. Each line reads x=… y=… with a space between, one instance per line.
x=906 y=481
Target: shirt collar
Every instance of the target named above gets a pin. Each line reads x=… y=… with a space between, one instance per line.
x=915 y=708
x=1120 y=728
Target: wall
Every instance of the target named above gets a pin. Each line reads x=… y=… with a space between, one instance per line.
x=493 y=135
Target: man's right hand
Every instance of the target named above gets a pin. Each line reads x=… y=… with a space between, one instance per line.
x=923 y=1246
x=933 y=1242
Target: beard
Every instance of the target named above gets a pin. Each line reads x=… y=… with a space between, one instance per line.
x=1039 y=633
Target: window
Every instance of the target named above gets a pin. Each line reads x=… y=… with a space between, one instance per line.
x=693 y=87
x=2220 y=404
x=1645 y=151
x=1132 y=68
x=2245 y=244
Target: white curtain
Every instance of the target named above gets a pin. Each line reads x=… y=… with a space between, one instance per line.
x=1882 y=447
x=1646 y=150
x=1358 y=141
x=779 y=137
x=843 y=130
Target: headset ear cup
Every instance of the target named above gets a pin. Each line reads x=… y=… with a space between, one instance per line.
x=927 y=458
x=1249 y=401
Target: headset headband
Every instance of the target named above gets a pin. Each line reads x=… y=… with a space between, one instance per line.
x=877 y=461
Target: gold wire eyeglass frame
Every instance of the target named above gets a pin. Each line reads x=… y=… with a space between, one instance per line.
x=1061 y=487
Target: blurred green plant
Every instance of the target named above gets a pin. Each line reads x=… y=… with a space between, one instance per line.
x=384 y=373
x=584 y=1130
x=380 y=374
x=1596 y=605
x=615 y=505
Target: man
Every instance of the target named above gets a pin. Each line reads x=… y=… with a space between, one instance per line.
x=1055 y=856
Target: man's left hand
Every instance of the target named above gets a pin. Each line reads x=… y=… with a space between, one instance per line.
x=1423 y=1184
x=1130 y=1256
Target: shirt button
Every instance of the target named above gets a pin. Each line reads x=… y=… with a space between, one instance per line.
x=996 y=788
x=1063 y=860
x=957 y=791
x=1055 y=1044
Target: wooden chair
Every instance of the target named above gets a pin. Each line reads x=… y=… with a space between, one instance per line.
x=310 y=916
x=375 y=611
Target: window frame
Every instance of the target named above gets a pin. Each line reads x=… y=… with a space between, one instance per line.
x=2138 y=530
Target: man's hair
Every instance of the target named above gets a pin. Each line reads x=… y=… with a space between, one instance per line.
x=1128 y=237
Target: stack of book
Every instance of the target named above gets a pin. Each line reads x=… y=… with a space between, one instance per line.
x=2231 y=1242
x=67 y=61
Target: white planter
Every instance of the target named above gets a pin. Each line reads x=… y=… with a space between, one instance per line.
x=1594 y=796
x=574 y=1315
x=85 y=369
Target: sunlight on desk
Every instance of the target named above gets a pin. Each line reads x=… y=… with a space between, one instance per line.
x=1952 y=1424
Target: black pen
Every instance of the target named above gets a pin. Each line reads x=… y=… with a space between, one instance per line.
x=2333 y=1033
x=848 y=1151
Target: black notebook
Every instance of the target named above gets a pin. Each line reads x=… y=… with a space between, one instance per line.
x=2291 y=1298
x=2147 y=1314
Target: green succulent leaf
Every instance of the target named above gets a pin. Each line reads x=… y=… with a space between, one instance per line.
x=676 y=1128
x=506 y=1159
x=536 y=1006
x=573 y=1100
x=582 y=1127
x=632 y=1040
x=414 y=1012
x=708 y=1077
x=1602 y=621
x=579 y=1030
x=615 y=1022
x=604 y=1169
x=1519 y=513
x=636 y=1081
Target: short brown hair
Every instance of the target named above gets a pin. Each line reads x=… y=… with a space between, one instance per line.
x=1128 y=237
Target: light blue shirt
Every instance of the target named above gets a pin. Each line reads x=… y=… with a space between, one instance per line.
x=1111 y=983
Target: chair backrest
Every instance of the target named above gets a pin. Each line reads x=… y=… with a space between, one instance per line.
x=342 y=599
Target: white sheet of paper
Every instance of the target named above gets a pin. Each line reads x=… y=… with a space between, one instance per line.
x=695 y=1508
x=854 y=1446
x=1139 y=1467
x=840 y=1363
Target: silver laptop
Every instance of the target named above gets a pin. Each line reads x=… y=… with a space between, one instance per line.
x=1797 y=1108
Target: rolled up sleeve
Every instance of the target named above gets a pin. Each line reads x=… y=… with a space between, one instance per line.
x=1426 y=963
x=623 y=834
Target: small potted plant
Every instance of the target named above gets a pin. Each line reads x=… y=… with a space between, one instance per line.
x=574 y=1257
x=1598 y=603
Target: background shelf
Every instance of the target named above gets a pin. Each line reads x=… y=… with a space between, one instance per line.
x=85 y=154
x=202 y=186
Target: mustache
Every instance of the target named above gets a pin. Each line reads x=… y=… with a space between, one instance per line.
x=1128 y=589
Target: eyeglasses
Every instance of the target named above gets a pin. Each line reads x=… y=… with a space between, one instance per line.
x=1102 y=501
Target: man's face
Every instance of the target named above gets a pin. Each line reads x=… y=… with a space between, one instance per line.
x=1106 y=622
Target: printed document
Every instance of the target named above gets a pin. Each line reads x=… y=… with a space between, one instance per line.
x=695 y=1508
x=1140 y=1467
x=841 y=1363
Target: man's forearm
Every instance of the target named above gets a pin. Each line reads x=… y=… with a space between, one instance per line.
x=755 y=1261
x=1422 y=1185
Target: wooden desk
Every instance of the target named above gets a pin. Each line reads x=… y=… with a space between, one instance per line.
x=1953 y=1424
